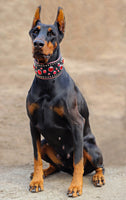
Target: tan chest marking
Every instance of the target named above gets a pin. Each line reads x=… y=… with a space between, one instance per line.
x=58 y=110
x=32 y=107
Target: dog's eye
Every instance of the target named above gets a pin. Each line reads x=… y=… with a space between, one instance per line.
x=50 y=33
x=35 y=33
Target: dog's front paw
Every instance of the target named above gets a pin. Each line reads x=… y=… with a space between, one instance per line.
x=98 y=178
x=74 y=190
x=36 y=185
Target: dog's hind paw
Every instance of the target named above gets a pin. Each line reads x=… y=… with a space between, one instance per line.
x=98 y=178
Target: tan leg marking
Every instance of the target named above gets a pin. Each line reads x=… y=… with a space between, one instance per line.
x=98 y=178
x=50 y=170
x=36 y=183
x=75 y=188
x=88 y=156
x=49 y=151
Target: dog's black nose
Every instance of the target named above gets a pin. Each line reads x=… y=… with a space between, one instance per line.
x=38 y=43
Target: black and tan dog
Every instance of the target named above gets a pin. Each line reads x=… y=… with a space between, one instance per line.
x=58 y=111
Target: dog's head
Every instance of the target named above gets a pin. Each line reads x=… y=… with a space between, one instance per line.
x=46 y=38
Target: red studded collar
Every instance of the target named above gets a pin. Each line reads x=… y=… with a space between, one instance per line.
x=50 y=70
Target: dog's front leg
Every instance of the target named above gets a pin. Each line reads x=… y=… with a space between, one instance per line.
x=77 y=125
x=36 y=185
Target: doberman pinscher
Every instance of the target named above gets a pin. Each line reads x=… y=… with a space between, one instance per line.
x=58 y=111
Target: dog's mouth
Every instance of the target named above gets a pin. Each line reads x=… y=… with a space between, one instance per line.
x=40 y=56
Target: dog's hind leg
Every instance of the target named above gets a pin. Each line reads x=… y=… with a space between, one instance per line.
x=49 y=155
x=93 y=159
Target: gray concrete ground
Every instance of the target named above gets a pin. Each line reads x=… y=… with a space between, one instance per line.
x=14 y=184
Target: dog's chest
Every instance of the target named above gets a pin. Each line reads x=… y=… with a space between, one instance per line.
x=54 y=126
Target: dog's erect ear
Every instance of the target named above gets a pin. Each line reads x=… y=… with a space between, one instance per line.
x=36 y=16
x=60 y=23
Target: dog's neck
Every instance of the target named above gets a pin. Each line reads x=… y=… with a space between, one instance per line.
x=50 y=70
